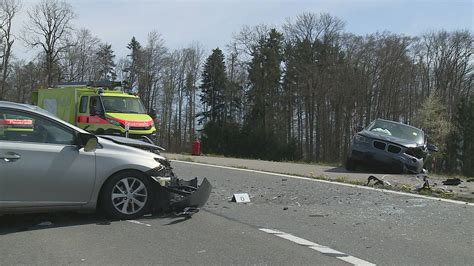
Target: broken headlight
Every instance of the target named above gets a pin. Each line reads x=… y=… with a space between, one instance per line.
x=360 y=138
x=163 y=162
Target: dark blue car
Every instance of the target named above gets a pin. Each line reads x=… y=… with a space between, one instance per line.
x=396 y=146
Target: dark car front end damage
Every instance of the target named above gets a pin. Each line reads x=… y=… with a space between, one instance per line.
x=388 y=149
x=172 y=194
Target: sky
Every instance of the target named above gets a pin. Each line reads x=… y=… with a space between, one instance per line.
x=212 y=23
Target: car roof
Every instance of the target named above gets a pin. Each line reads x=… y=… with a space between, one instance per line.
x=26 y=107
x=36 y=109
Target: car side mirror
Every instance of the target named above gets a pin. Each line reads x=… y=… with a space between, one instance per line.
x=359 y=128
x=432 y=148
x=152 y=113
x=88 y=141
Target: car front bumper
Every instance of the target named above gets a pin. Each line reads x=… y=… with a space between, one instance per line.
x=401 y=161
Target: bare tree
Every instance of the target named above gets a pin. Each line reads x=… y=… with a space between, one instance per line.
x=8 y=10
x=78 y=59
x=246 y=40
x=48 y=27
x=152 y=66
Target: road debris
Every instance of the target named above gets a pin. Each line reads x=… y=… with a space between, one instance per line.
x=424 y=185
x=45 y=223
x=452 y=182
x=378 y=182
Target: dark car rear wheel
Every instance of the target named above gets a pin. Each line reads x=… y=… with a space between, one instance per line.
x=351 y=164
x=127 y=195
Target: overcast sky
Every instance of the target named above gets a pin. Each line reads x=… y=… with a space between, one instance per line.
x=213 y=22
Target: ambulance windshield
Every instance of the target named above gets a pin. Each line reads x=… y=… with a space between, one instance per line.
x=123 y=105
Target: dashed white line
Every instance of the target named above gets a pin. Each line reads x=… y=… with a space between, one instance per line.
x=330 y=182
x=317 y=247
x=328 y=250
x=297 y=240
x=137 y=222
x=355 y=261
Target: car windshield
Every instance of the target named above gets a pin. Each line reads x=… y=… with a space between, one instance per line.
x=123 y=105
x=397 y=130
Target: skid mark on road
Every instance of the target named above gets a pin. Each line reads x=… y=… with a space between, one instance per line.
x=320 y=248
x=329 y=182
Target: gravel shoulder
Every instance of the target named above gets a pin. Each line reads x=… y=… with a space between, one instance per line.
x=406 y=183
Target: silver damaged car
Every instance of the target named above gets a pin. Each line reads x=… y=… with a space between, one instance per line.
x=47 y=164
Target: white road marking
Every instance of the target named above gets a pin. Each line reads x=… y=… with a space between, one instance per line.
x=297 y=240
x=137 y=222
x=320 y=248
x=355 y=261
x=330 y=182
x=271 y=231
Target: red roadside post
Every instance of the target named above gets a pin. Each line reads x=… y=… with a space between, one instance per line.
x=196 y=148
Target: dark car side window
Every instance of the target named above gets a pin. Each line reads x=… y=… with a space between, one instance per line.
x=83 y=104
x=26 y=127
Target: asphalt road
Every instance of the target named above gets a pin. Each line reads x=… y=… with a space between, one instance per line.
x=317 y=224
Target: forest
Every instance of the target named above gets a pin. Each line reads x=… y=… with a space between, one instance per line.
x=290 y=92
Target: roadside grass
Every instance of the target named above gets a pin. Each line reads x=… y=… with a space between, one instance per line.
x=284 y=161
x=315 y=163
x=187 y=159
x=239 y=166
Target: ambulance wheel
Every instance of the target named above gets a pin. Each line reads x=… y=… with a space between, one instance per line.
x=127 y=195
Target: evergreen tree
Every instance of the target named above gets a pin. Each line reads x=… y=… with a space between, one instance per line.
x=134 y=64
x=213 y=87
x=262 y=132
x=220 y=135
x=465 y=123
x=105 y=60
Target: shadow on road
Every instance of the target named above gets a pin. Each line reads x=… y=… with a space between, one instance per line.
x=14 y=223
x=337 y=170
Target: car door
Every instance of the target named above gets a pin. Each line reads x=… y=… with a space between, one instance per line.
x=40 y=164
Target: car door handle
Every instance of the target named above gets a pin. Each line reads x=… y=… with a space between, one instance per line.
x=10 y=157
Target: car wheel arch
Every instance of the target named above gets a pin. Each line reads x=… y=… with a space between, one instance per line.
x=102 y=186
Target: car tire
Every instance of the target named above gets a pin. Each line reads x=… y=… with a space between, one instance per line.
x=351 y=164
x=127 y=195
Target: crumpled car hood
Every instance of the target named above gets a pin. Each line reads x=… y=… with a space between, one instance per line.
x=132 y=142
x=384 y=137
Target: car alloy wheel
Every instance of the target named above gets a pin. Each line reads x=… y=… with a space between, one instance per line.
x=129 y=195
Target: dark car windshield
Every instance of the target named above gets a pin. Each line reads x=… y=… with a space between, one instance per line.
x=397 y=130
x=123 y=105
